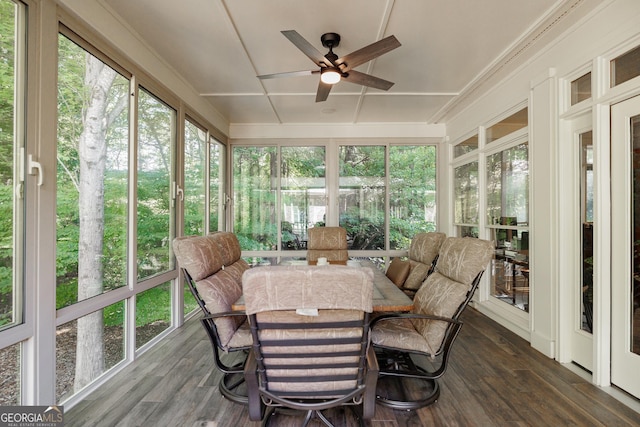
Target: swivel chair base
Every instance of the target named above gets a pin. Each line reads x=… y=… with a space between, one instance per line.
x=402 y=384
x=233 y=387
x=406 y=393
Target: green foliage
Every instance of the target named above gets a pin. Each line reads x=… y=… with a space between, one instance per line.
x=151 y=306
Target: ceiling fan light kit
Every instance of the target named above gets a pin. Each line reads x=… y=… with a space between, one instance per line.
x=330 y=75
x=333 y=69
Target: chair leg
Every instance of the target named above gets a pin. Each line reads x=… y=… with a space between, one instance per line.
x=402 y=384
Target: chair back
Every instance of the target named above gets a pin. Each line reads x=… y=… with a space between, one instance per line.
x=328 y=242
x=310 y=333
x=448 y=290
x=423 y=251
x=213 y=270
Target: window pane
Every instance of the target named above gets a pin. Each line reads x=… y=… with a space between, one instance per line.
x=10 y=375
x=581 y=89
x=156 y=135
x=510 y=267
x=254 y=197
x=88 y=347
x=467 y=231
x=508 y=186
x=466 y=193
x=195 y=146
x=303 y=192
x=190 y=302
x=153 y=313
x=92 y=176
x=216 y=185
x=585 y=285
x=11 y=207
x=362 y=195
x=625 y=67
x=412 y=193
x=466 y=146
x=509 y=125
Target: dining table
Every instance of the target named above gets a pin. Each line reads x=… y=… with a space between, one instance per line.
x=387 y=297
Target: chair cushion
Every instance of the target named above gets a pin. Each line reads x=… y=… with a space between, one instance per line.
x=425 y=246
x=438 y=296
x=398 y=271
x=416 y=275
x=229 y=246
x=399 y=333
x=337 y=256
x=199 y=255
x=307 y=287
x=241 y=338
x=327 y=238
x=462 y=258
x=219 y=292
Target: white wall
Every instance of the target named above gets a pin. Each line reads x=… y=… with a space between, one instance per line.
x=608 y=31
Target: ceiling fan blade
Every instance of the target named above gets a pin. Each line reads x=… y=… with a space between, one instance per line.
x=288 y=74
x=323 y=91
x=306 y=47
x=367 y=80
x=367 y=53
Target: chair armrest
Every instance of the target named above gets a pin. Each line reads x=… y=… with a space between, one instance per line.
x=225 y=314
x=391 y=316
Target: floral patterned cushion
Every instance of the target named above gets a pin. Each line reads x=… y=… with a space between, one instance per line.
x=229 y=246
x=417 y=274
x=327 y=238
x=328 y=242
x=214 y=263
x=440 y=295
x=307 y=287
x=425 y=246
x=219 y=291
x=423 y=250
x=462 y=258
x=199 y=255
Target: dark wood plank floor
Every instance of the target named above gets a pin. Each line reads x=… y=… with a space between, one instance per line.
x=494 y=379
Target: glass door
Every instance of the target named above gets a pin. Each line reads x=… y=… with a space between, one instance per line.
x=583 y=284
x=625 y=250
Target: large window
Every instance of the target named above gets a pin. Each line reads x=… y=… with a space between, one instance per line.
x=195 y=161
x=92 y=176
x=156 y=140
x=11 y=143
x=382 y=194
x=303 y=193
x=217 y=195
x=362 y=195
x=465 y=184
x=508 y=220
x=412 y=192
x=254 y=197
x=91 y=211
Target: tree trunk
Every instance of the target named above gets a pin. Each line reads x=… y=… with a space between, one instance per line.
x=92 y=150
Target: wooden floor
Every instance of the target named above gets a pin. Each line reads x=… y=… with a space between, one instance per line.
x=494 y=379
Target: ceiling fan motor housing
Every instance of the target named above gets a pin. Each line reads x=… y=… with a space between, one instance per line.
x=330 y=40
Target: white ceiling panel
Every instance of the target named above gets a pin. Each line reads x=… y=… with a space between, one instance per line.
x=220 y=46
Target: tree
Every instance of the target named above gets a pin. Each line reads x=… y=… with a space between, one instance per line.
x=92 y=154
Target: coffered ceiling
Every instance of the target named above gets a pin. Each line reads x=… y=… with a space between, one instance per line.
x=449 y=48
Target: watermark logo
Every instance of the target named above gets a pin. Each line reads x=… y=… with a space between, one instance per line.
x=31 y=416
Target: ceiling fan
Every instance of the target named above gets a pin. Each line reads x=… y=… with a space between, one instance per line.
x=334 y=69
